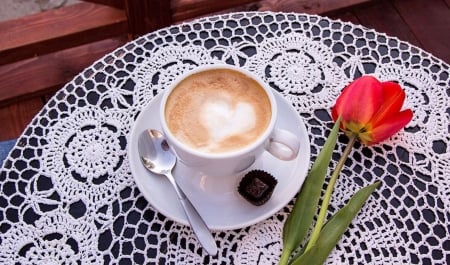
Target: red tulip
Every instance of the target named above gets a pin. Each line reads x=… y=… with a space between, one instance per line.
x=368 y=110
x=371 y=110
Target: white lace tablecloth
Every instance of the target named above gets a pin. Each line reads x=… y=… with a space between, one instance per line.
x=67 y=195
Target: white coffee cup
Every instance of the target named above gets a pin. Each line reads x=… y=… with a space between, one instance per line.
x=221 y=116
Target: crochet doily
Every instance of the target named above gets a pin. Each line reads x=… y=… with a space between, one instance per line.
x=67 y=195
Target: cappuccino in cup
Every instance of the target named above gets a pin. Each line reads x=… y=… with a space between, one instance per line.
x=220 y=118
x=218 y=111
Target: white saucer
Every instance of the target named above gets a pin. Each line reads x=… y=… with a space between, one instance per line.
x=221 y=206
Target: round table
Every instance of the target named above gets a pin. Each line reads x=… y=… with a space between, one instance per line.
x=67 y=194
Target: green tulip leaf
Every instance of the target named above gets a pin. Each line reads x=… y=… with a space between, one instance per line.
x=335 y=227
x=300 y=219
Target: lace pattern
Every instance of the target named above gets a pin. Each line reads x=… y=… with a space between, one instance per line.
x=67 y=194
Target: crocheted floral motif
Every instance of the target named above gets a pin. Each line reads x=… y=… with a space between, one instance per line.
x=86 y=154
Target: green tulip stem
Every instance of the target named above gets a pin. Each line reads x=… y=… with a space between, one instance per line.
x=285 y=256
x=327 y=197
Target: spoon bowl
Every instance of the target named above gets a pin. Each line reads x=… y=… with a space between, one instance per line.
x=155 y=153
x=157 y=157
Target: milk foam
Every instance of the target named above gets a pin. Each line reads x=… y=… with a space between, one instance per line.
x=223 y=120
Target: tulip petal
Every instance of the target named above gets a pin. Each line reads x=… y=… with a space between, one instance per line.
x=359 y=101
x=393 y=98
x=390 y=125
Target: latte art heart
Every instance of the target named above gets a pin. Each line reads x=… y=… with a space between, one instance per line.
x=223 y=120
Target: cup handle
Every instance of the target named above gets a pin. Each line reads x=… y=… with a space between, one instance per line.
x=283 y=144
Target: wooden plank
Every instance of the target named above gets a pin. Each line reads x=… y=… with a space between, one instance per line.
x=14 y=118
x=52 y=30
x=188 y=9
x=308 y=6
x=430 y=22
x=383 y=17
x=145 y=16
x=113 y=3
x=44 y=74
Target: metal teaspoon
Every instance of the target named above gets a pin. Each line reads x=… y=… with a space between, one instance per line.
x=158 y=158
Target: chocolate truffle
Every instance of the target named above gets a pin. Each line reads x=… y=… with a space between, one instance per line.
x=257 y=186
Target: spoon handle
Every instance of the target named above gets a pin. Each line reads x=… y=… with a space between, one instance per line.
x=197 y=223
